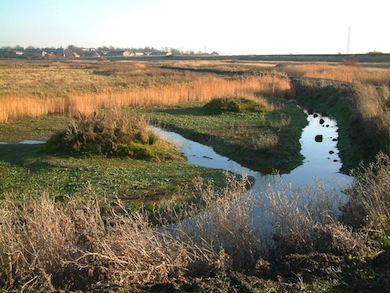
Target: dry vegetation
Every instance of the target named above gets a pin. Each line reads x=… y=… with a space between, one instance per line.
x=85 y=244
x=46 y=245
x=51 y=88
x=348 y=72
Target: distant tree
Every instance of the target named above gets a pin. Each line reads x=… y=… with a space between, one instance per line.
x=374 y=53
x=73 y=49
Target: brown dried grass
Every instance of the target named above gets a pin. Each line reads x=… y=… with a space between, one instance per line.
x=74 y=245
x=306 y=221
x=340 y=72
x=369 y=207
x=14 y=107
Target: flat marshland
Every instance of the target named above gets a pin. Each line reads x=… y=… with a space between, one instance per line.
x=85 y=210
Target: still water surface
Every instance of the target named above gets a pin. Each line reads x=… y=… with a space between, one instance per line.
x=319 y=147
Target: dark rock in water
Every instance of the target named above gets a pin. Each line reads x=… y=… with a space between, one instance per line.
x=331 y=152
x=318 y=138
x=315 y=115
x=335 y=139
x=322 y=121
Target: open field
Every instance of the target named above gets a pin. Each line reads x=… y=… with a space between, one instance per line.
x=76 y=219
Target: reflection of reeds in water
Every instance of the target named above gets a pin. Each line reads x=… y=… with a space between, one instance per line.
x=202 y=90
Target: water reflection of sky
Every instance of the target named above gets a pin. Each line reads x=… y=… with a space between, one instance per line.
x=321 y=164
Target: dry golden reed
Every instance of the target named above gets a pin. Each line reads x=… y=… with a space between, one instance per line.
x=14 y=107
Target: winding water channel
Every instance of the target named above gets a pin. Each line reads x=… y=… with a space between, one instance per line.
x=322 y=163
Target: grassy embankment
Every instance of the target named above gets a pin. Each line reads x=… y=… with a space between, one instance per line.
x=311 y=250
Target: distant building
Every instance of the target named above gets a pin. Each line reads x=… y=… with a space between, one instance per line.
x=119 y=53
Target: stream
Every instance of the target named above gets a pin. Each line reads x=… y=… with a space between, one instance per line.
x=321 y=166
x=319 y=148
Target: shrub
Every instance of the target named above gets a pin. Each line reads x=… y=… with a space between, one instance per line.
x=113 y=133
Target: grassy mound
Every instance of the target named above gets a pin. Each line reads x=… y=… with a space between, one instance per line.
x=235 y=104
x=114 y=134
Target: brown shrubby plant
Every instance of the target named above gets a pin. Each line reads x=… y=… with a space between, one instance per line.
x=225 y=223
x=84 y=244
x=369 y=206
x=306 y=220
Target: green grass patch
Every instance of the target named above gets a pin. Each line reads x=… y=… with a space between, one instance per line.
x=158 y=172
x=131 y=180
x=38 y=128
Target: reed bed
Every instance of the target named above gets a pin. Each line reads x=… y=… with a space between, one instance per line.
x=14 y=107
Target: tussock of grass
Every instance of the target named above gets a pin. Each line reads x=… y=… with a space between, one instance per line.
x=236 y=105
x=114 y=134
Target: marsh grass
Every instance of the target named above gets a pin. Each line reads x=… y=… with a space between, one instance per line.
x=31 y=89
x=223 y=221
x=84 y=243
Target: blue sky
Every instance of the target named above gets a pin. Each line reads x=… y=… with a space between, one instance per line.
x=224 y=26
